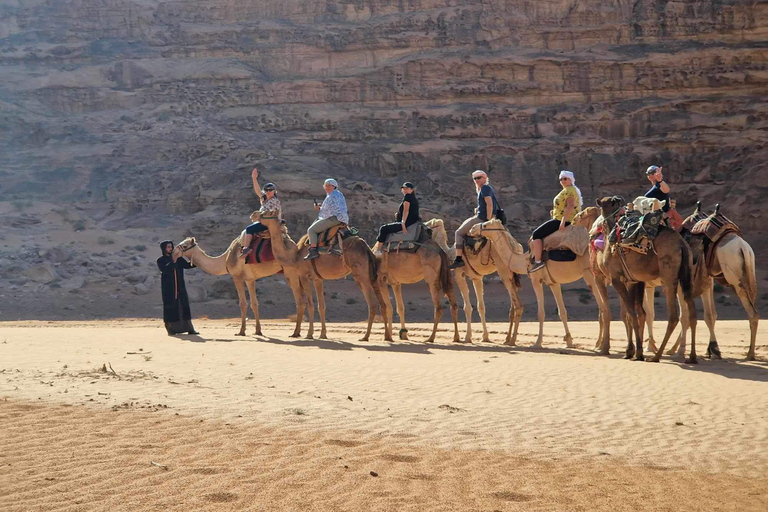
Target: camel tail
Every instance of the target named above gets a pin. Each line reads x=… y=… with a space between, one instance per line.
x=518 y=281
x=685 y=274
x=749 y=273
x=446 y=282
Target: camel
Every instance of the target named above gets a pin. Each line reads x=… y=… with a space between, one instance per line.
x=245 y=275
x=356 y=259
x=429 y=263
x=734 y=263
x=590 y=218
x=482 y=264
x=628 y=271
x=556 y=273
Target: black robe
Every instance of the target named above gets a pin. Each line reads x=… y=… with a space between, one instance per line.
x=176 y=313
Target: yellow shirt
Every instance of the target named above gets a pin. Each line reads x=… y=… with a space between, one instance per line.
x=559 y=204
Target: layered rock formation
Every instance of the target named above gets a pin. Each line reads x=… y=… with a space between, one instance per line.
x=149 y=114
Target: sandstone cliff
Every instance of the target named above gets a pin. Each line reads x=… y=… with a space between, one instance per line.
x=148 y=115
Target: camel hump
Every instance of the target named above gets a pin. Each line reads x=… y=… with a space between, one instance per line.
x=304 y=240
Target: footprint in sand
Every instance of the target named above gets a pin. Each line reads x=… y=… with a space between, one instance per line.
x=401 y=458
x=345 y=444
x=511 y=496
x=221 y=497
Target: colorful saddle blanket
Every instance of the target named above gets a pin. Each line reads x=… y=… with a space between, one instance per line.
x=714 y=227
x=637 y=232
x=261 y=250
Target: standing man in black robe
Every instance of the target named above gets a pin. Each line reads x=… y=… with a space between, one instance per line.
x=176 y=313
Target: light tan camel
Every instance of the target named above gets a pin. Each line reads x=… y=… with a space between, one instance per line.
x=733 y=263
x=556 y=273
x=357 y=260
x=628 y=271
x=429 y=263
x=245 y=275
x=484 y=263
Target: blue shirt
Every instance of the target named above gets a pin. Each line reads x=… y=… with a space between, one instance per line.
x=656 y=193
x=482 y=213
x=334 y=205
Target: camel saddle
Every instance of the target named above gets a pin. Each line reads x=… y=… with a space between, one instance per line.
x=714 y=227
x=637 y=232
x=417 y=234
x=574 y=239
x=261 y=249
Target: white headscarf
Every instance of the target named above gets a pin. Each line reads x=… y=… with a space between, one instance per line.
x=569 y=174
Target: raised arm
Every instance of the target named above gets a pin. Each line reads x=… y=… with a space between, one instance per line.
x=256 y=187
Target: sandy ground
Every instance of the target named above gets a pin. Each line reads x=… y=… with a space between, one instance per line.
x=274 y=423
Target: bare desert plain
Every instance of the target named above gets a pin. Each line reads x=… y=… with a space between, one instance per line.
x=116 y=415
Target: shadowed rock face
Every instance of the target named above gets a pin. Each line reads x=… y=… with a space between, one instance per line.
x=144 y=109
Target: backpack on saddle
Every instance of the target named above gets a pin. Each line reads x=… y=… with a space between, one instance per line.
x=417 y=234
x=707 y=232
x=637 y=232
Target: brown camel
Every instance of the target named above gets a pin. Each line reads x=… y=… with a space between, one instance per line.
x=482 y=264
x=733 y=264
x=357 y=260
x=429 y=263
x=590 y=218
x=670 y=261
x=245 y=275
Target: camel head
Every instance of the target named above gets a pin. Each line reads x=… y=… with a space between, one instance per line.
x=267 y=216
x=586 y=217
x=255 y=216
x=187 y=244
x=610 y=206
x=493 y=225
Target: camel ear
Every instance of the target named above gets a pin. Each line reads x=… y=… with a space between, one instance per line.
x=193 y=240
x=598 y=203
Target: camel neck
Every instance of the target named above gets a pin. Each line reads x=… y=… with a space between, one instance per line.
x=214 y=265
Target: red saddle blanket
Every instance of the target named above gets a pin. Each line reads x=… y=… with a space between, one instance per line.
x=261 y=251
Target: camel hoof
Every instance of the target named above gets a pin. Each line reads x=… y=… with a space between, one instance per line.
x=240 y=334
x=639 y=357
x=510 y=343
x=295 y=335
x=751 y=357
x=670 y=352
x=309 y=337
x=487 y=341
x=605 y=352
x=404 y=337
x=429 y=341
x=364 y=338
x=258 y=333
x=536 y=345
x=653 y=359
x=323 y=337
x=628 y=356
x=713 y=351
x=691 y=360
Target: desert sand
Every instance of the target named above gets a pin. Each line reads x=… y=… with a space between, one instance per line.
x=274 y=423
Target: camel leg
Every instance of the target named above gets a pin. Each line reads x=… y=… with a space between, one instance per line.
x=370 y=299
x=538 y=288
x=673 y=317
x=627 y=313
x=639 y=291
x=754 y=318
x=240 y=285
x=605 y=316
x=254 y=305
x=461 y=280
x=562 y=312
x=301 y=293
x=680 y=344
x=710 y=317
x=454 y=305
x=479 y=287
x=589 y=278
x=434 y=291
x=650 y=316
x=320 y=293
x=398 y=291
x=515 y=311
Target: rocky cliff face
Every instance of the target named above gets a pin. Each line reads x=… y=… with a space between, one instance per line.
x=148 y=114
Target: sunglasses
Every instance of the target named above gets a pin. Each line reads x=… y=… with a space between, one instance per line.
x=563 y=179
x=478 y=178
